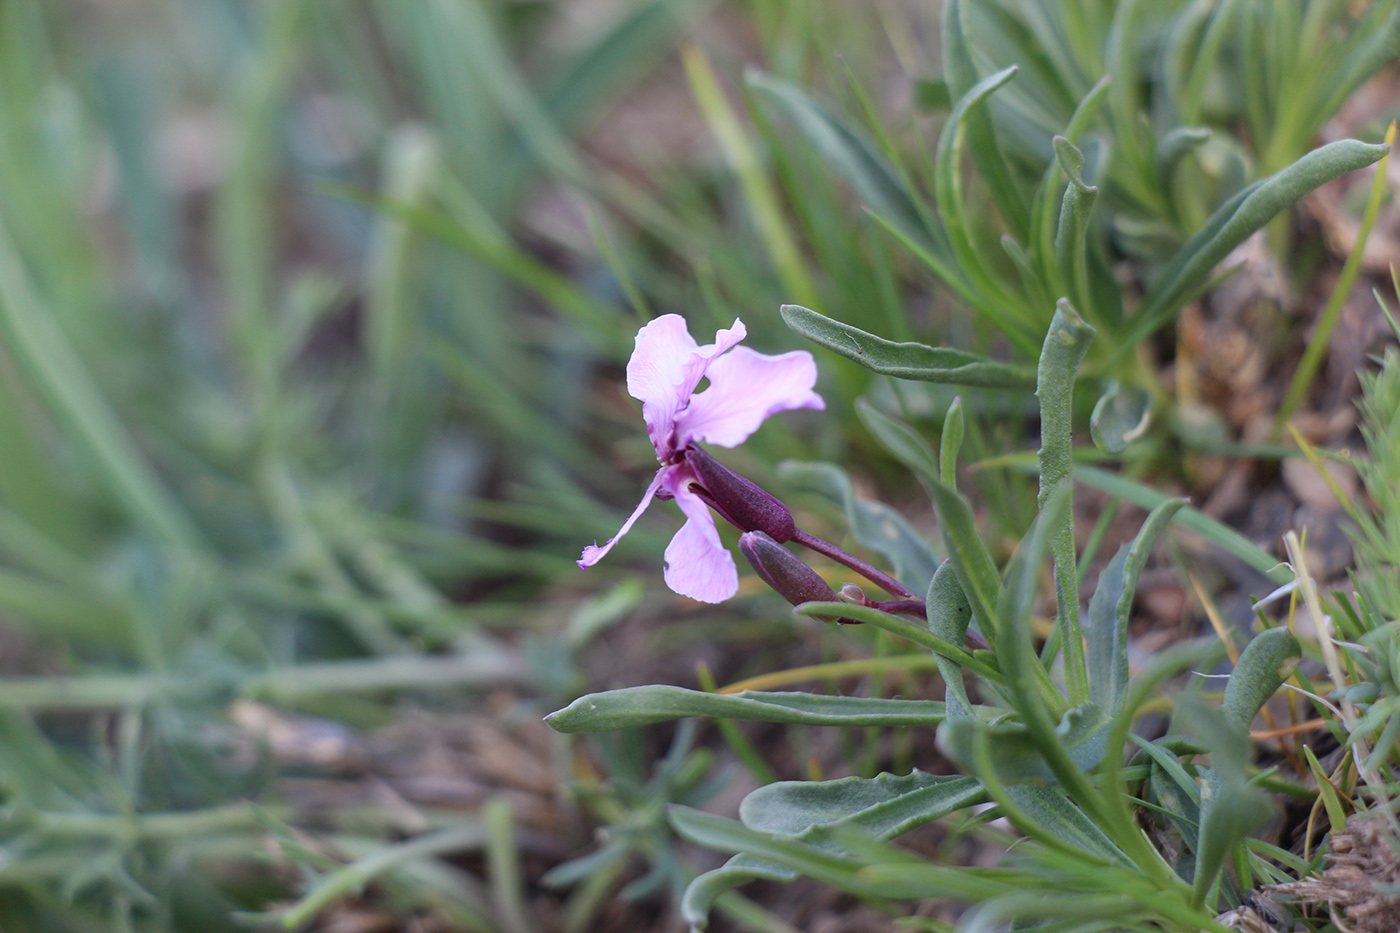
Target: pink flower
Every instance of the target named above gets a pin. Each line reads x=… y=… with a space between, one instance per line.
x=745 y=388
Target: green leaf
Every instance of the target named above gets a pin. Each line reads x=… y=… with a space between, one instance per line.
x=1071 y=234
x=950 y=443
x=1266 y=663
x=972 y=562
x=873 y=524
x=1057 y=815
x=1121 y=415
x=961 y=74
x=1230 y=807
x=991 y=298
x=949 y=614
x=906 y=360
x=1014 y=758
x=1235 y=220
x=1065 y=345
x=851 y=157
x=1106 y=631
x=34 y=338
x=642 y=706
x=884 y=806
x=814 y=812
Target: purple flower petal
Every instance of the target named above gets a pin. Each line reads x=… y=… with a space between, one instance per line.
x=664 y=370
x=697 y=563
x=593 y=553
x=745 y=388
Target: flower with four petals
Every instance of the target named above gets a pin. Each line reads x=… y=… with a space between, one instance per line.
x=744 y=388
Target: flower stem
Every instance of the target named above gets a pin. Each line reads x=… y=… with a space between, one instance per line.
x=873 y=574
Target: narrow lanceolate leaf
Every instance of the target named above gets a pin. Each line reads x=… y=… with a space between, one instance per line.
x=1235 y=220
x=1266 y=663
x=1071 y=246
x=906 y=360
x=1106 y=631
x=982 y=137
x=820 y=814
x=992 y=298
x=949 y=614
x=642 y=706
x=851 y=157
x=1065 y=345
x=883 y=806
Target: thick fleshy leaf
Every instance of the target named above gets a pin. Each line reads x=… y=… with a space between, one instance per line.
x=1176 y=144
x=1016 y=758
x=698 y=564
x=642 y=706
x=1066 y=342
x=746 y=388
x=906 y=360
x=1050 y=809
x=1266 y=663
x=981 y=128
x=949 y=613
x=1071 y=234
x=884 y=806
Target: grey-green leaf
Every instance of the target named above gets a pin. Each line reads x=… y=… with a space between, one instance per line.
x=1106 y=631
x=949 y=614
x=1051 y=809
x=642 y=706
x=1231 y=807
x=906 y=360
x=1071 y=247
x=813 y=812
x=883 y=806
x=1266 y=663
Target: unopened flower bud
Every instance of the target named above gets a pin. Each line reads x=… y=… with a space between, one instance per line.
x=850 y=593
x=783 y=571
x=741 y=501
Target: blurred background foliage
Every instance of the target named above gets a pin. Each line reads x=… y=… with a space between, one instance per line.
x=312 y=318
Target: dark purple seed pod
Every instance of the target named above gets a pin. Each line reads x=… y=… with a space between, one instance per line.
x=739 y=500
x=783 y=571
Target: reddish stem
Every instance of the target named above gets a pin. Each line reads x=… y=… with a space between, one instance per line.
x=873 y=574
